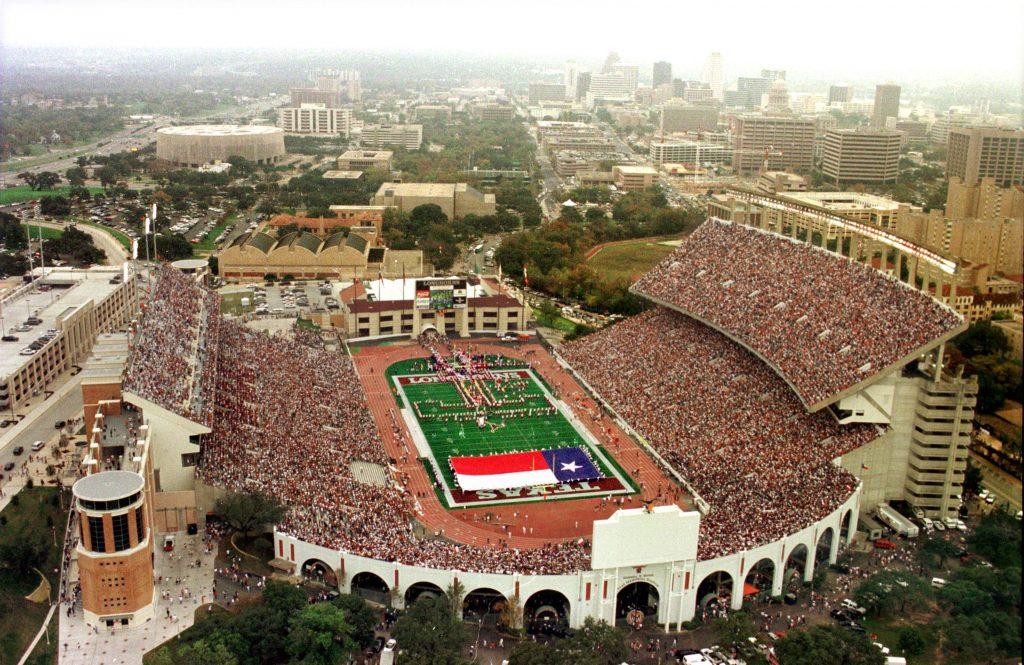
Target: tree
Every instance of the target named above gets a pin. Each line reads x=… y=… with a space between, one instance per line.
x=595 y=643
x=998 y=538
x=55 y=206
x=735 y=628
x=512 y=613
x=911 y=641
x=22 y=549
x=456 y=591
x=964 y=597
x=107 y=176
x=320 y=635
x=359 y=616
x=889 y=591
x=936 y=547
x=202 y=652
x=827 y=645
x=247 y=511
x=429 y=634
x=982 y=339
x=12 y=233
x=13 y=264
x=76 y=176
x=428 y=213
x=972 y=478
x=173 y=247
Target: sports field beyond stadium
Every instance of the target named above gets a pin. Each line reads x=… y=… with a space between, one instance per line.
x=530 y=419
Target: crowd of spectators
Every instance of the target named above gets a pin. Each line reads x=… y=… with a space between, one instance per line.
x=174 y=347
x=824 y=322
x=731 y=427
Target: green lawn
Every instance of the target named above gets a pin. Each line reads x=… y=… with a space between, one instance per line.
x=24 y=193
x=455 y=438
x=231 y=303
x=20 y=619
x=630 y=260
x=48 y=232
x=208 y=242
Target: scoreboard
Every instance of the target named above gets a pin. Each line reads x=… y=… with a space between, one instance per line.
x=435 y=294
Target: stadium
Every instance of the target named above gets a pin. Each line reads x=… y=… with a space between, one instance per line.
x=685 y=457
x=195 y=145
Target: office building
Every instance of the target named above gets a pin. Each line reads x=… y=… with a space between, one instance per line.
x=778 y=97
x=878 y=211
x=433 y=112
x=456 y=200
x=696 y=117
x=409 y=137
x=65 y=310
x=546 y=92
x=714 y=74
x=986 y=200
x=778 y=182
x=861 y=155
x=632 y=178
x=998 y=243
x=840 y=94
x=493 y=112
x=938 y=132
x=661 y=73
x=582 y=86
x=774 y=74
x=772 y=143
x=365 y=160
x=986 y=152
x=688 y=152
x=750 y=91
x=915 y=132
x=887 y=104
x=570 y=78
x=315 y=119
x=329 y=98
x=610 y=87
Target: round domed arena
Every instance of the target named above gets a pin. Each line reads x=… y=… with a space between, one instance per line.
x=195 y=145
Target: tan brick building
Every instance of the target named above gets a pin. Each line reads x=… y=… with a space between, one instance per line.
x=456 y=200
x=986 y=152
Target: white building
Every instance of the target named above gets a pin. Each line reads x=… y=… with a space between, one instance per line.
x=315 y=119
x=409 y=137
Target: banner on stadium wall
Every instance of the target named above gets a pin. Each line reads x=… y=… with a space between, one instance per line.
x=435 y=294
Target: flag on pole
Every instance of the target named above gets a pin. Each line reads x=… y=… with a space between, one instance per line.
x=125 y=266
x=499 y=274
x=526 y=276
x=147 y=225
x=154 y=211
x=135 y=249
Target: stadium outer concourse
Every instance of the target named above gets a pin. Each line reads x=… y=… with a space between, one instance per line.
x=743 y=488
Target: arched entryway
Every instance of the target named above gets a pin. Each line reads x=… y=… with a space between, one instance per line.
x=546 y=613
x=715 y=590
x=757 y=586
x=637 y=600
x=483 y=605
x=824 y=547
x=844 y=529
x=371 y=587
x=796 y=563
x=315 y=570
x=422 y=590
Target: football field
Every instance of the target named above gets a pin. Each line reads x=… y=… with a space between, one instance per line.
x=515 y=413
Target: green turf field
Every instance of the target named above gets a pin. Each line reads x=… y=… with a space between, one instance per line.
x=629 y=260
x=451 y=430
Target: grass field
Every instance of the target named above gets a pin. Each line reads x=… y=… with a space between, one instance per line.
x=512 y=433
x=125 y=241
x=20 y=619
x=48 y=233
x=629 y=260
x=25 y=193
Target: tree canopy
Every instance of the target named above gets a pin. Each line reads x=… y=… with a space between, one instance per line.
x=248 y=511
x=827 y=645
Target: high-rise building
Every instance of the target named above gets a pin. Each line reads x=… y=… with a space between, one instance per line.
x=778 y=97
x=986 y=152
x=861 y=155
x=610 y=62
x=780 y=142
x=546 y=92
x=750 y=91
x=774 y=74
x=409 y=137
x=701 y=117
x=570 y=74
x=315 y=119
x=985 y=200
x=662 y=73
x=714 y=74
x=613 y=86
x=582 y=86
x=840 y=94
x=887 y=104
x=688 y=152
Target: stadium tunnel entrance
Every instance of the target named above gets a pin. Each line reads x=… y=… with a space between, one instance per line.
x=824 y=548
x=315 y=570
x=844 y=529
x=639 y=597
x=421 y=590
x=371 y=587
x=796 y=563
x=715 y=590
x=758 y=584
x=546 y=612
x=483 y=605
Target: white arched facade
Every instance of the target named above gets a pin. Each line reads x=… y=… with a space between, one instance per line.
x=592 y=593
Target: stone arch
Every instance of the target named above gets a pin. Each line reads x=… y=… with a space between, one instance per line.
x=762 y=577
x=796 y=563
x=317 y=570
x=371 y=587
x=844 y=528
x=422 y=590
x=546 y=612
x=716 y=588
x=642 y=596
x=483 y=604
x=824 y=547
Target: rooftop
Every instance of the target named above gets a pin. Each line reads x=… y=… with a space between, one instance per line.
x=219 y=130
x=342 y=175
x=107 y=485
x=840 y=201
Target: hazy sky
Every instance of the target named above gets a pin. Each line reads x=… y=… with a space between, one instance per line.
x=892 y=39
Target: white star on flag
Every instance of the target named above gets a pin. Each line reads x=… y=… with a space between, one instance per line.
x=570 y=466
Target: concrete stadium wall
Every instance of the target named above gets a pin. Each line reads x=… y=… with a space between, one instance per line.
x=198 y=149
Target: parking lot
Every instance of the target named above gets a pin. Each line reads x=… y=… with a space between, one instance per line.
x=284 y=299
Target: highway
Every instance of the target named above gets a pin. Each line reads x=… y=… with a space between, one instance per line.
x=65 y=404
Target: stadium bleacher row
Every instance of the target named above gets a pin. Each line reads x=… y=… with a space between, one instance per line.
x=824 y=322
x=726 y=422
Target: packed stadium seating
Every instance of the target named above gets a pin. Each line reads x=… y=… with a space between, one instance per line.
x=726 y=422
x=823 y=322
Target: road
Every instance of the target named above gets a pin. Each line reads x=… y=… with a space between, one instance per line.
x=65 y=404
x=116 y=254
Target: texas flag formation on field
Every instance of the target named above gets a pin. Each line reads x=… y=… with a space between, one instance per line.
x=524 y=469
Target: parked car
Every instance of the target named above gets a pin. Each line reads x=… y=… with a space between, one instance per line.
x=37 y=446
x=885 y=544
x=18 y=450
